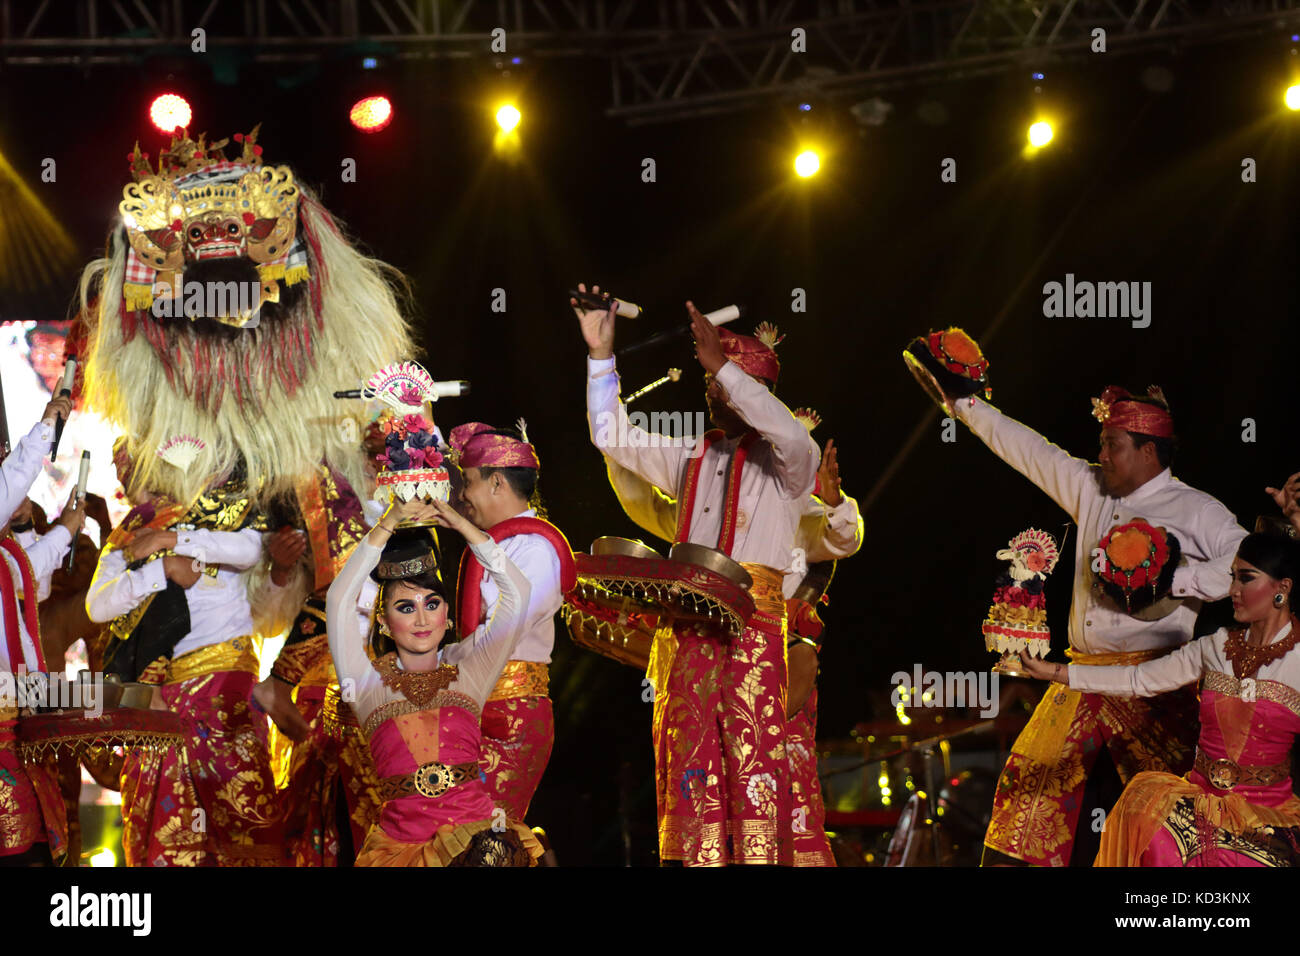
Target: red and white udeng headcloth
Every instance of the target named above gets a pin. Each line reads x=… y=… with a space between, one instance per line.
x=1116 y=409
x=755 y=354
x=473 y=446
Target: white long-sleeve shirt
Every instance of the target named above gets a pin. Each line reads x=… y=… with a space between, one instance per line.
x=778 y=474
x=1186 y=665
x=44 y=551
x=218 y=606
x=17 y=473
x=536 y=558
x=825 y=533
x=479 y=658
x=1207 y=532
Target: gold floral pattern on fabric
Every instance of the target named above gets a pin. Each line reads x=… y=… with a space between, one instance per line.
x=1277 y=692
x=518 y=735
x=419 y=687
x=1037 y=803
x=211 y=802
x=396 y=708
x=522 y=679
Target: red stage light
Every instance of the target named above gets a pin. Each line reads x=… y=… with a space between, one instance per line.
x=371 y=114
x=170 y=112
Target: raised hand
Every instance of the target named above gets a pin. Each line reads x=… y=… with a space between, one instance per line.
x=448 y=517
x=60 y=407
x=1287 y=498
x=74 y=514
x=828 y=475
x=708 y=343
x=597 y=325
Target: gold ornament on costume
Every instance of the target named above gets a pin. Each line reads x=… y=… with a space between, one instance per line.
x=419 y=687
x=199 y=207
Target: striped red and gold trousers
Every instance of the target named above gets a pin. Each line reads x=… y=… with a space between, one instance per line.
x=721 y=771
x=1039 y=796
x=518 y=734
x=212 y=801
x=808 y=814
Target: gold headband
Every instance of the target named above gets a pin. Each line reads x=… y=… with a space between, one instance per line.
x=397 y=570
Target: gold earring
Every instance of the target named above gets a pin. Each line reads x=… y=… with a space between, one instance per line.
x=383 y=627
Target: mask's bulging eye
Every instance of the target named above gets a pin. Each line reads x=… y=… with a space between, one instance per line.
x=196 y=233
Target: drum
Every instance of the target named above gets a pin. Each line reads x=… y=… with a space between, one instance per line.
x=76 y=733
x=626 y=591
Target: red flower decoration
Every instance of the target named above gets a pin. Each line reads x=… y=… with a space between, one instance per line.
x=249 y=219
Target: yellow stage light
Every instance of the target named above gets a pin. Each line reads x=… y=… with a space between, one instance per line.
x=1040 y=134
x=103 y=857
x=807 y=163
x=508 y=117
x=1293 y=97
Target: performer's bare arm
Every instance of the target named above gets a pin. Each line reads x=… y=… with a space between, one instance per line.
x=1064 y=477
x=1147 y=679
x=831 y=525
x=797 y=455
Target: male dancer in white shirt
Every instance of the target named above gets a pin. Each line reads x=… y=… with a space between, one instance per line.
x=1039 y=799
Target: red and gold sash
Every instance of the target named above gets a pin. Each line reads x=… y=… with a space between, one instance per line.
x=9 y=597
x=686 y=507
x=468 y=596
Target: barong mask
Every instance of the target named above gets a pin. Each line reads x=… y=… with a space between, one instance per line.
x=204 y=217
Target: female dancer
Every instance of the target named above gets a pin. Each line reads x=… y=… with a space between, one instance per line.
x=418 y=705
x=1236 y=807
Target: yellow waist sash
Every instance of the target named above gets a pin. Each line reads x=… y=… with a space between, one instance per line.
x=522 y=679
x=235 y=654
x=769 y=601
x=1043 y=738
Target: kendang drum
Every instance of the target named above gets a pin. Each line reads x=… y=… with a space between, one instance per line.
x=627 y=590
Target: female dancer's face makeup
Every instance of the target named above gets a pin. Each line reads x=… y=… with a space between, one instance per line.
x=1252 y=592
x=416 y=616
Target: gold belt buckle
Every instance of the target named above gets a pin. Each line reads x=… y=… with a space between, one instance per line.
x=433 y=780
x=1223 y=774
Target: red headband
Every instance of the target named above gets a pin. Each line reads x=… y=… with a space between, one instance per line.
x=476 y=448
x=1117 y=409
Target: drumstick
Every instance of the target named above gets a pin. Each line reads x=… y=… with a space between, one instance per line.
x=81 y=496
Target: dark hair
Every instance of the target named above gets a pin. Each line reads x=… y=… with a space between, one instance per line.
x=1164 y=447
x=1276 y=556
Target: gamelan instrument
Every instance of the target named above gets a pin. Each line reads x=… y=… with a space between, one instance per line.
x=626 y=591
x=124 y=719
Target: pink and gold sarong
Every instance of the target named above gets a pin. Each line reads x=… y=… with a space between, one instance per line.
x=808 y=814
x=211 y=802
x=31 y=804
x=1039 y=796
x=721 y=771
x=518 y=733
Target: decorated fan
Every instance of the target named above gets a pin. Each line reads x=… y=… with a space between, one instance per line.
x=401 y=386
x=1136 y=565
x=410 y=464
x=180 y=451
x=1017 y=619
x=948 y=363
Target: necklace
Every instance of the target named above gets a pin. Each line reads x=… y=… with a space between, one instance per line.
x=419 y=687
x=1246 y=660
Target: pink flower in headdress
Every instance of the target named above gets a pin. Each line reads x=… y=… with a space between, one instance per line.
x=417 y=456
x=410 y=395
x=416 y=423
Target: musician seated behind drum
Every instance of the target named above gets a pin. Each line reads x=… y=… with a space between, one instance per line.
x=740 y=489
